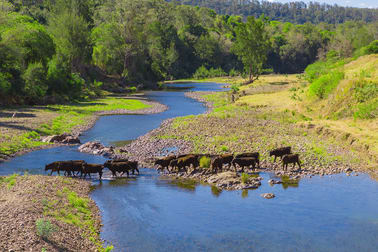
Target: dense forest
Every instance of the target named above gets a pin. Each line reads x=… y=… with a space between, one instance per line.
x=63 y=50
x=295 y=12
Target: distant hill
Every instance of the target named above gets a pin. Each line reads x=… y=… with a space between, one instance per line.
x=295 y=12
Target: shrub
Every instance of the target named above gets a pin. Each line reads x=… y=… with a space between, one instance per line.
x=5 y=85
x=365 y=90
x=233 y=73
x=44 y=228
x=205 y=162
x=322 y=86
x=244 y=177
x=370 y=49
x=234 y=88
x=35 y=81
x=202 y=73
x=367 y=110
x=224 y=148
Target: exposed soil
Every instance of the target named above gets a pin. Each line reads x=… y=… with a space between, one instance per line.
x=26 y=201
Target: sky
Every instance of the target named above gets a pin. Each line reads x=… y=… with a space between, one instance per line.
x=352 y=3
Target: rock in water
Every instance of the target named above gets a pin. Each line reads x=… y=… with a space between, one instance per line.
x=268 y=195
x=64 y=138
x=96 y=148
x=272 y=181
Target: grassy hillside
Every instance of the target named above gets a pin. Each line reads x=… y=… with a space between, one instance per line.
x=337 y=99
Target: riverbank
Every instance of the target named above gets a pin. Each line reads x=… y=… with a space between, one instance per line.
x=21 y=128
x=237 y=127
x=48 y=214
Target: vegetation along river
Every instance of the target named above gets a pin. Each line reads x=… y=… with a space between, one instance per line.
x=150 y=213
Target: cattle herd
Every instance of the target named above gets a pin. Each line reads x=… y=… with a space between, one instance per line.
x=173 y=163
x=245 y=160
x=76 y=167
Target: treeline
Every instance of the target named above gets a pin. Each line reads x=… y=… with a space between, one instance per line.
x=294 y=12
x=62 y=50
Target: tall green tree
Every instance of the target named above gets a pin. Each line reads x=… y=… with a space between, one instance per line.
x=251 y=46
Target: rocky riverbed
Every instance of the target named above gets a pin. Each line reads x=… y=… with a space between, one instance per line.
x=169 y=139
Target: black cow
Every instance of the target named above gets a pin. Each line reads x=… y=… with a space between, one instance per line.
x=290 y=159
x=280 y=152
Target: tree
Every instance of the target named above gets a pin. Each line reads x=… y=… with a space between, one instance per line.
x=251 y=46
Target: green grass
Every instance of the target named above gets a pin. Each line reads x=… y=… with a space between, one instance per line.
x=73 y=209
x=325 y=84
x=244 y=178
x=105 y=104
x=368 y=110
x=205 y=162
x=10 y=181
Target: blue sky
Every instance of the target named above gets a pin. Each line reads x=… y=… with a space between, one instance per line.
x=353 y=3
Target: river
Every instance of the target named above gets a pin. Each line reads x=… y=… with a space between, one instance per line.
x=149 y=213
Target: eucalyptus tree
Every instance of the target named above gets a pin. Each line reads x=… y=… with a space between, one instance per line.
x=251 y=46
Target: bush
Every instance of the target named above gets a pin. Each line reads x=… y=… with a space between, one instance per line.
x=367 y=110
x=233 y=73
x=205 y=162
x=244 y=178
x=44 y=228
x=235 y=88
x=5 y=85
x=322 y=86
x=371 y=48
x=35 y=81
x=202 y=73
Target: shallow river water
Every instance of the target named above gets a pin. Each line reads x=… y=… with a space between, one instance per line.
x=150 y=213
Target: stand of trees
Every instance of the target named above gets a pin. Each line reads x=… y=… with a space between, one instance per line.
x=62 y=50
x=295 y=11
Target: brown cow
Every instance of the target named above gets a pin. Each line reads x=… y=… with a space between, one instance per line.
x=164 y=162
x=66 y=166
x=255 y=155
x=217 y=164
x=92 y=168
x=244 y=162
x=290 y=159
x=280 y=152
x=121 y=167
x=187 y=161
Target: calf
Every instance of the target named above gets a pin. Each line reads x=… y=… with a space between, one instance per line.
x=290 y=159
x=244 y=162
x=92 y=168
x=280 y=152
x=255 y=155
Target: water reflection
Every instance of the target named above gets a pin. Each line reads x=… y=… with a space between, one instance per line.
x=244 y=194
x=288 y=182
x=183 y=183
x=216 y=191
